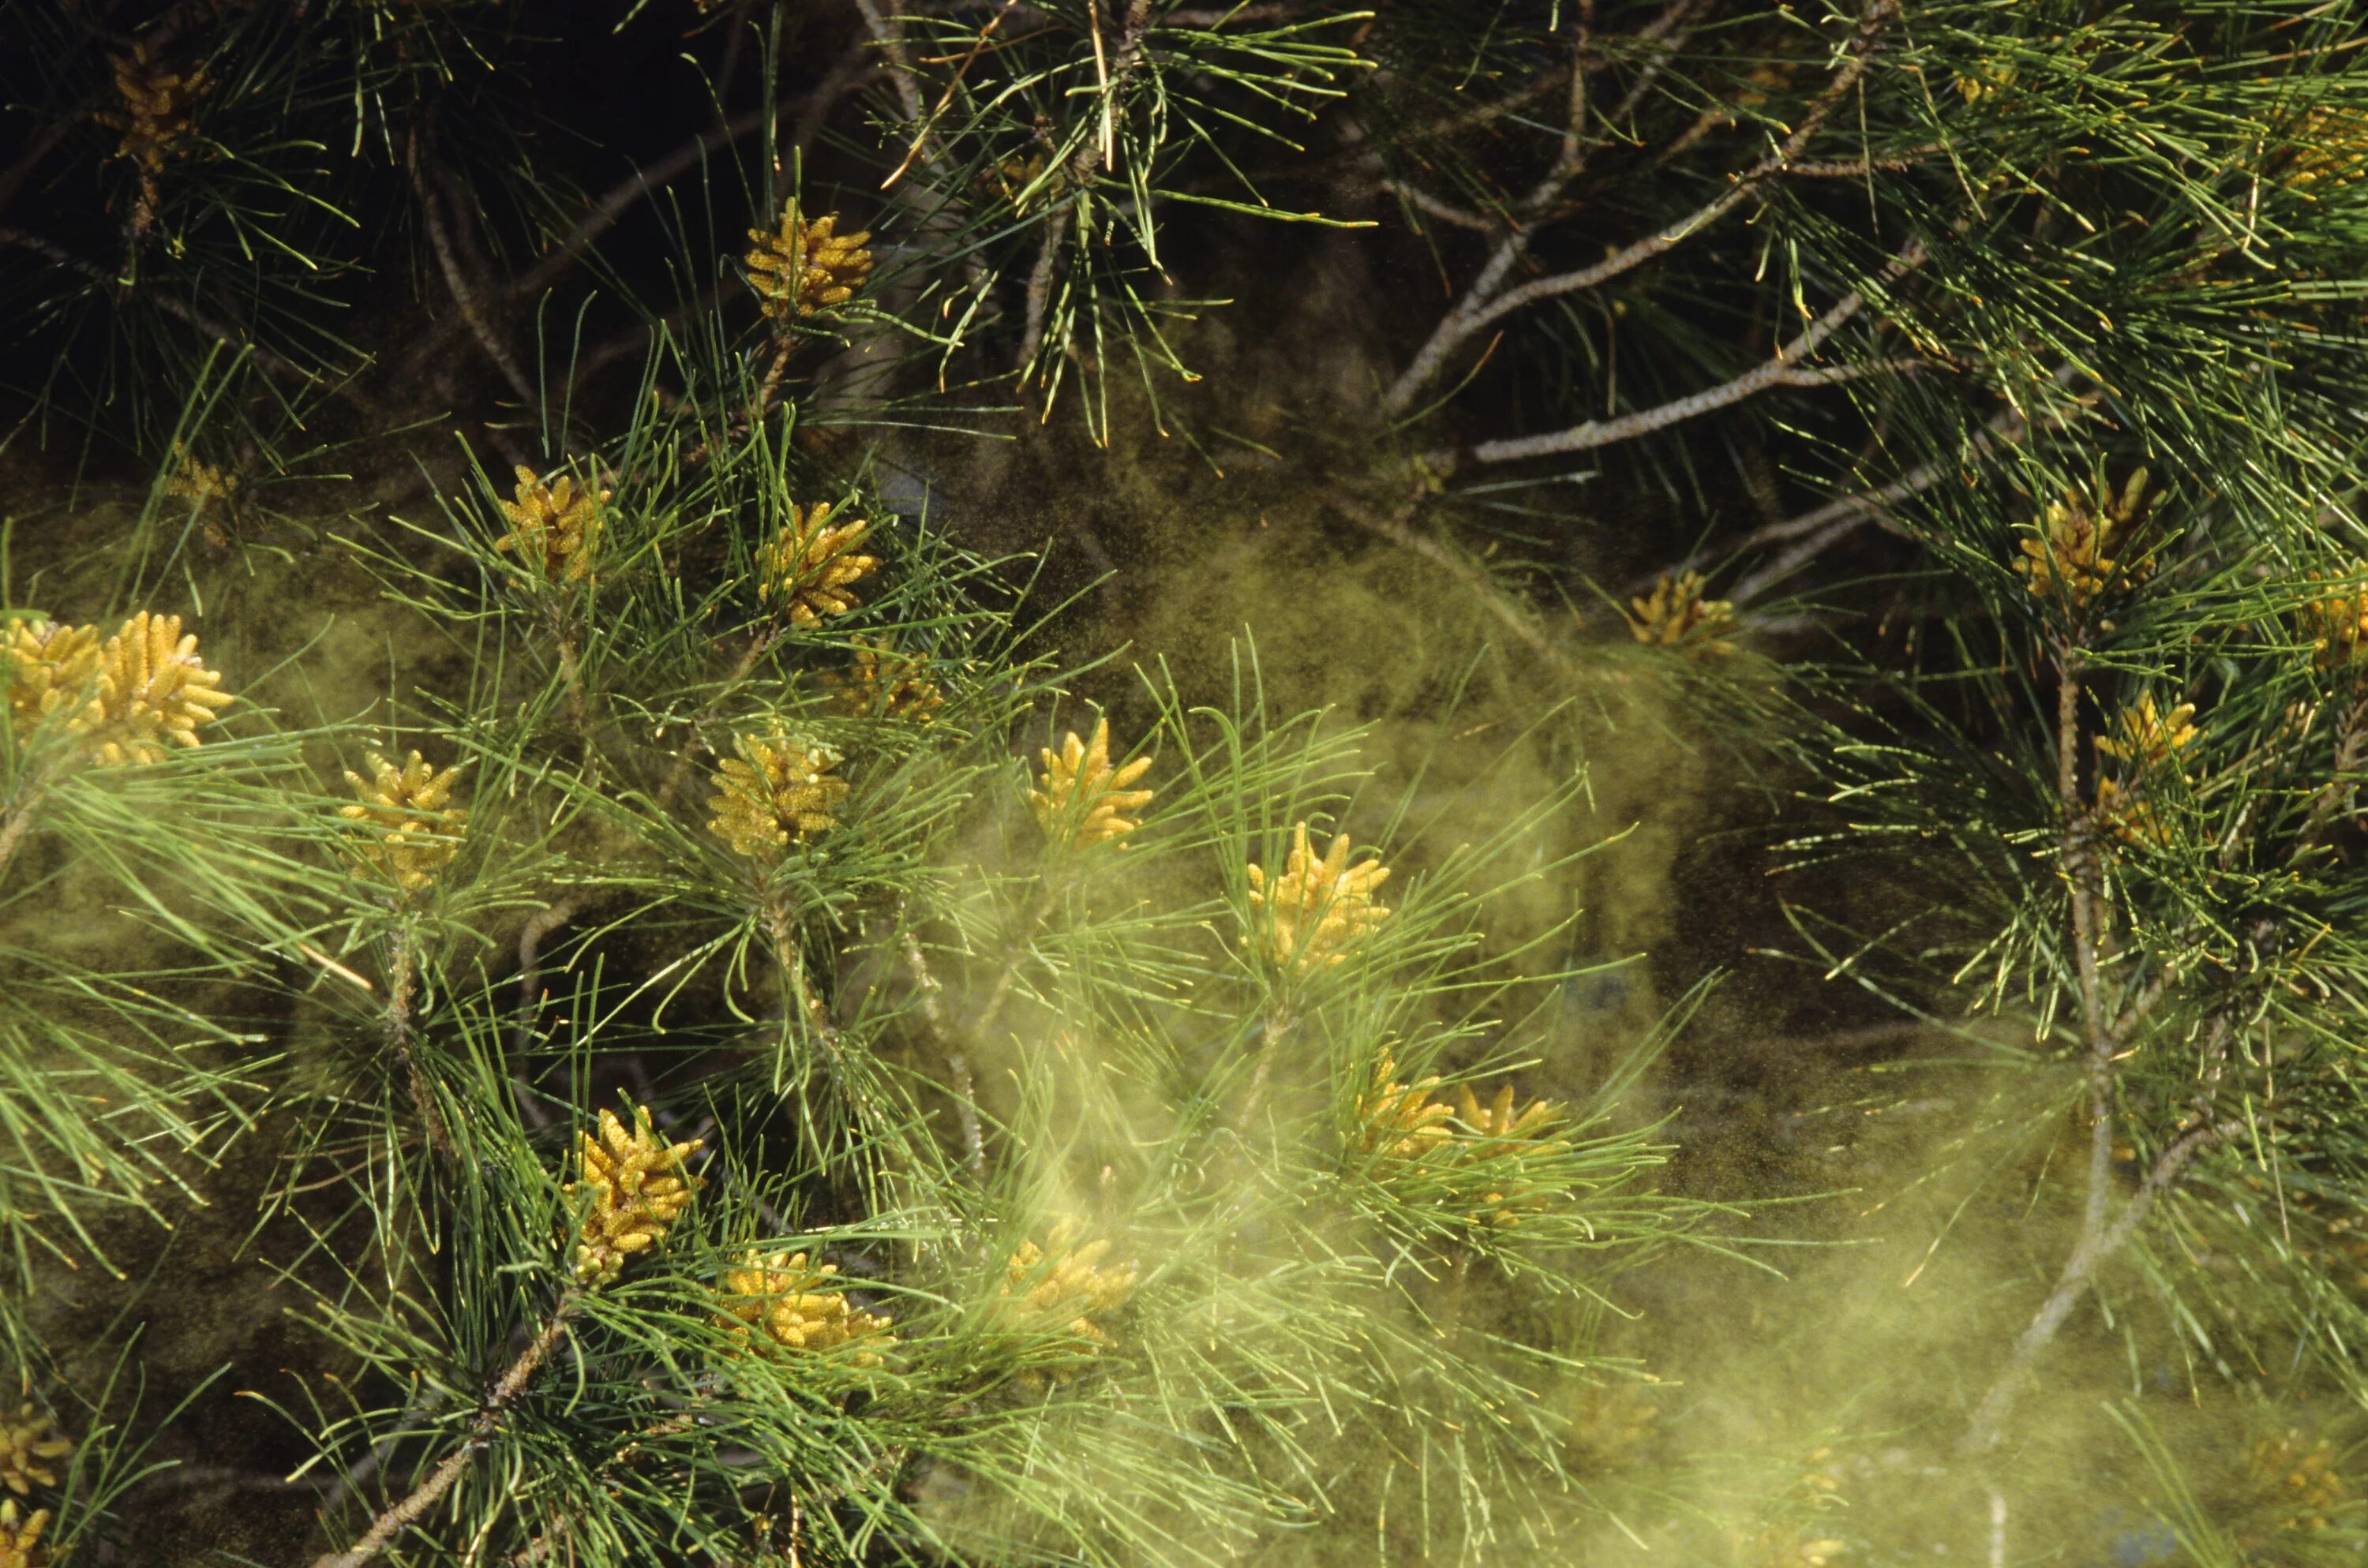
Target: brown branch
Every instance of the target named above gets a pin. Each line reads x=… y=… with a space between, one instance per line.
x=1487 y=300
x=953 y=85
x=1837 y=520
x=456 y=281
x=402 y=1515
x=1674 y=234
x=1040 y=294
x=1431 y=206
x=1452 y=330
x=892 y=44
x=2078 y=849
x=402 y=988
x=1784 y=369
x=16 y=823
x=2079 y=1274
x=1859 y=169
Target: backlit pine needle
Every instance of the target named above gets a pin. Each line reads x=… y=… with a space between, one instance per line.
x=21 y=1537
x=780 y=1302
x=28 y=1440
x=811 y=566
x=1080 y=799
x=554 y=526
x=1317 y=909
x=637 y=1186
x=2075 y=555
x=1676 y=615
x=802 y=268
x=776 y=790
x=415 y=830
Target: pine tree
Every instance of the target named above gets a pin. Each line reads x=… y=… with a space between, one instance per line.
x=736 y=1042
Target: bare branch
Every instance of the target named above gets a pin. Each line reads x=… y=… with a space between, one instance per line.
x=1837 y=520
x=1457 y=326
x=2080 y=1273
x=1784 y=369
x=464 y=296
x=1487 y=300
x=402 y=1515
x=892 y=44
x=1448 y=212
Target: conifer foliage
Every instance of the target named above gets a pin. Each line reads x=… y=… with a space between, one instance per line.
x=795 y=1063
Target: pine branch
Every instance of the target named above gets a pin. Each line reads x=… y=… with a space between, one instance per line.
x=392 y=1524
x=1784 y=369
x=965 y=1090
x=401 y=1037
x=1487 y=300
x=480 y=327
x=2080 y=1273
x=1458 y=324
x=16 y=821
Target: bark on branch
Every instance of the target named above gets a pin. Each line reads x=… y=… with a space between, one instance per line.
x=402 y=1515
x=1784 y=370
x=2078 y=1275
x=1488 y=300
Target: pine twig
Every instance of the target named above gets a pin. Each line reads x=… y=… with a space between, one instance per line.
x=1782 y=369
x=402 y=985
x=2078 y=1275
x=16 y=821
x=464 y=295
x=957 y=1060
x=1487 y=300
x=402 y=1515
